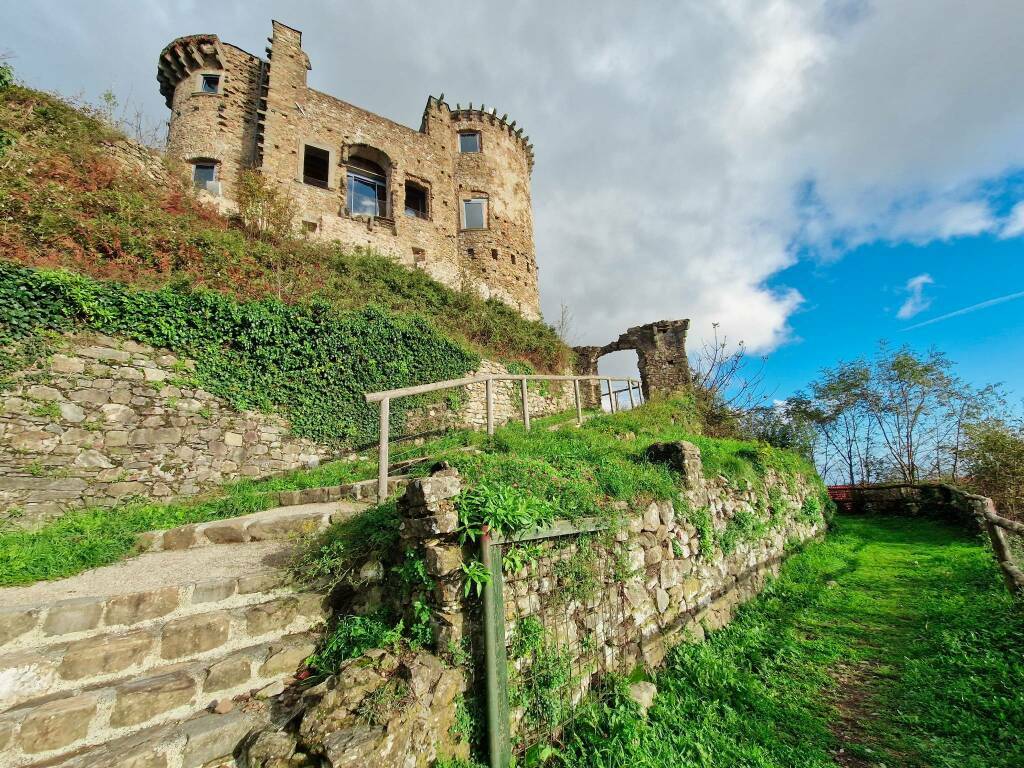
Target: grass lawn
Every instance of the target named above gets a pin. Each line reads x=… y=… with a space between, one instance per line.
x=892 y=642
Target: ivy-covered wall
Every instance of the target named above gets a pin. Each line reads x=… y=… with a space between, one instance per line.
x=309 y=362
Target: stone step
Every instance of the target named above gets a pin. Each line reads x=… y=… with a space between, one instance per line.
x=116 y=656
x=277 y=524
x=363 y=490
x=141 y=591
x=203 y=740
x=54 y=728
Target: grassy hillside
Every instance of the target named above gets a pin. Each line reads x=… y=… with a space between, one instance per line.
x=65 y=203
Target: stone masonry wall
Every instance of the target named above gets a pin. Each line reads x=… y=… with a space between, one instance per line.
x=644 y=586
x=103 y=420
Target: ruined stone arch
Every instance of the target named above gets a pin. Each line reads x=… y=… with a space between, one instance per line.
x=661 y=358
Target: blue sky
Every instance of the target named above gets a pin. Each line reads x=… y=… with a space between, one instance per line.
x=852 y=303
x=781 y=167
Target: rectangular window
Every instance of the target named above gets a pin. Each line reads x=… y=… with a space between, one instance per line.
x=309 y=227
x=415 y=201
x=474 y=213
x=203 y=172
x=316 y=166
x=209 y=83
x=469 y=142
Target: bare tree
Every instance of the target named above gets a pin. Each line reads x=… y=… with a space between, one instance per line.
x=130 y=118
x=565 y=326
x=727 y=374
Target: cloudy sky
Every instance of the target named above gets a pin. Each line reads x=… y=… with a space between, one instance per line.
x=813 y=176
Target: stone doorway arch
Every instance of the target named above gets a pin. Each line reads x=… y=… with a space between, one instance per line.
x=661 y=358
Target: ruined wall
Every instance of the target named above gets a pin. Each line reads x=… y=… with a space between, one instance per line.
x=104 y=420
x=661 y=358
x=266 y=114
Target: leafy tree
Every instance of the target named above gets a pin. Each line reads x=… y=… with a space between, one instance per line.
x=994 y=458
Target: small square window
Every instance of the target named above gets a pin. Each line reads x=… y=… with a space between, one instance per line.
x=203 y=173
x=309 y=227
x=316 y=165
x=209 y=83
x=416 y=201
x=474 y=213
x=494 y=253
x=469 y=141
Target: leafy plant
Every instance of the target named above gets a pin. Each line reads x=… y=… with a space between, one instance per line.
x=518 y=556
x=502 y=509
x=352 y=636
x=477 y=576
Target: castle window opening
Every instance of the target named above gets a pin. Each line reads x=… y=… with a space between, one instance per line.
x=469 y=141
x=416 y=201
x=494 y=253
x=474 y=213
x=513 y=259
x=309 y=227
x=203 y=173
x=367 y=188
x=316 y=166
x=209 y=83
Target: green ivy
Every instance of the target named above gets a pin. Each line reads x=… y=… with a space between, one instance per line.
x=309 y=361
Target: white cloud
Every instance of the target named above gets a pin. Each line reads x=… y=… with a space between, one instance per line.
x=1013 y=225
x=685 y=153
x=916 y=302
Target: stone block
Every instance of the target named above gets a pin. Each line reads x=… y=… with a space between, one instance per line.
x=57 y=724
x=229 y=673
x=232 y=439
x=104 y=655
x=141 y=606
x=652 y=517
x=90 y=395
x=272 y=616
x=226 y=532
x=15 y=622
x=141 y=700
x=286 y=659
x=443 y=559
x=155 y=436
x=212 y=737
x=213 y=590
x=75 y=615
x=41 y=392
x=180 y=538
x=192 y=635
x=260 y=582
x=283 y=525
x=65 y=364
x=71 y=412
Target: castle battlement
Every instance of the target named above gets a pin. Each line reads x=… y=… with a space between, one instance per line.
x=451 y=198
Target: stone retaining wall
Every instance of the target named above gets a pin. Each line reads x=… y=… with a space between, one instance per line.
x=611 y=599
x=106 y=419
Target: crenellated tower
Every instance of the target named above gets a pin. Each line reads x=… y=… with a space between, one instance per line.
x=452 y=198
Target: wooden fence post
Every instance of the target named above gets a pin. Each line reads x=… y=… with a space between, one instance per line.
x=489 y=388
x=382 y=451
x=611 y=396
x=526 y=404
x=579 y=403
x=632 y=402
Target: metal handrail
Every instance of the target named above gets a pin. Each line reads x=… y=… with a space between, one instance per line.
x=385 y=398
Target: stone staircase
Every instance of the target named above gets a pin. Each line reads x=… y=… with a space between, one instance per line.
x=120 y=665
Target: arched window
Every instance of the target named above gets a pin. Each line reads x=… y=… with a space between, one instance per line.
x=367 y=188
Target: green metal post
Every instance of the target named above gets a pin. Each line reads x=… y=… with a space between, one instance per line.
x=496 y=663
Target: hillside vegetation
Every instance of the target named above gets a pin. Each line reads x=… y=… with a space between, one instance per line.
x=66 y=203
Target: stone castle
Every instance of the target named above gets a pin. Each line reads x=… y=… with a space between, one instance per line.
x=452 y=198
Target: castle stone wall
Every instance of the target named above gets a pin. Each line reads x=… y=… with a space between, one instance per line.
x=266 y=114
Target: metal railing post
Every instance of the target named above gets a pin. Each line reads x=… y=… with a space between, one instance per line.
x=382 y=451
x=526 y=405
x=489 y=387
x=579 y=403
x=495 y=660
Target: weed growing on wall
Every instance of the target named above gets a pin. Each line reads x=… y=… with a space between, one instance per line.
x=352 y=636
x=307 y=360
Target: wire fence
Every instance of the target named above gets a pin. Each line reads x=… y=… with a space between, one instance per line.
x=564 y=614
